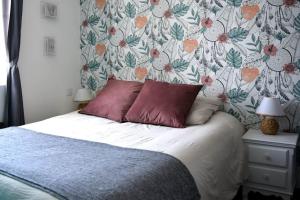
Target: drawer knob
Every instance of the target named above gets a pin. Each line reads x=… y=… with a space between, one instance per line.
x=268 y=157
x=266 y=177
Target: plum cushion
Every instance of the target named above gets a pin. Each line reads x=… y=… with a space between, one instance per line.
x=162 y=103
x=114 y=100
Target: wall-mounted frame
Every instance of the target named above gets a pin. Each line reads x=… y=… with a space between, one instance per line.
x=48 y=10
x=49 y=46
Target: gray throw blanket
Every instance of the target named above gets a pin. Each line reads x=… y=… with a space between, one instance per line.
x=76 y=169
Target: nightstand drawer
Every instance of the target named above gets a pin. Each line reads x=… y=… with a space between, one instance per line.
x=268 y=176
x=268 y=155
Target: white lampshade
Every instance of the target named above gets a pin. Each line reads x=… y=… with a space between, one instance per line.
x=270 y=107
x=83 y=95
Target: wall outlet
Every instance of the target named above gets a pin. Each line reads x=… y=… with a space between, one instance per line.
x=48 y=10
x=49 y=46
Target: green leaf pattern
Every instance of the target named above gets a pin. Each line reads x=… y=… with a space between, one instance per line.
x=296 y=90
x=177 y=32
x=237 y=95
x=180 y=9
x=91 y=38
x=180 y=65
x=130 y=60
x=93 y=20
x=235 y=3
x=234 y=58
x=237 y=34
x=91 y=83
x=297 y=23
x=94 y=65
x=130 y=10
x=132 y=40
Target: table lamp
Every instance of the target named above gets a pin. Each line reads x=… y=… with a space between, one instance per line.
x=270 y=108
x=83 y=96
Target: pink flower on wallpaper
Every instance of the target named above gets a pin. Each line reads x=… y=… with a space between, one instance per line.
x=112 y=30
x=206 y=22
x=122 y=43
x=168 y=14
x=270 y=50
x=223 y=38
x=206 y=80
x=168 y=67
x=154 y=2
x=85 y=23
x=85 y=67
x=223 y=97
x=289 y=2
x=289 y=68
x=154 y=53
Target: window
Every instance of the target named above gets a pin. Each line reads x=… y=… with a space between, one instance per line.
x=3 y=57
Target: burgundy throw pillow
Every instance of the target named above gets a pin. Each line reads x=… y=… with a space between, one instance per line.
x=114 y=100
x=163 y=104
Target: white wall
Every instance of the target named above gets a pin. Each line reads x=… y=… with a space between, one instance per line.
x=47 y=80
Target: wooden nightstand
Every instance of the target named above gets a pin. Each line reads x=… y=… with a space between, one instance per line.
x=271 y=163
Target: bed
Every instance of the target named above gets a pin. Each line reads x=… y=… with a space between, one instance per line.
x=213 y=153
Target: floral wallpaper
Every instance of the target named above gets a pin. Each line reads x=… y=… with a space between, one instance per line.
x=240 y=50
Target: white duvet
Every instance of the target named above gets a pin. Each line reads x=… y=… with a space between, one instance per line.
x=213 y=152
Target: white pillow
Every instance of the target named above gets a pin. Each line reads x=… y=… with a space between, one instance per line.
x=202 y=110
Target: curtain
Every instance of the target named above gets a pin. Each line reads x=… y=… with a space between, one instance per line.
x=15 y=110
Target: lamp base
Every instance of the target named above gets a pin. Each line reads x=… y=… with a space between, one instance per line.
x=81 y=106
x=269 y=126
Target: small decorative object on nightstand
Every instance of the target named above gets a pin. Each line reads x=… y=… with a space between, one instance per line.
x=271 y=163
x=83 y=96
x=269 y=108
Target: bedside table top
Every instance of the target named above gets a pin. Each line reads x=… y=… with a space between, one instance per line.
x=281 y=139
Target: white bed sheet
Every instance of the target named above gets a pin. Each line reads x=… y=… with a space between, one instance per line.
x=213 y=152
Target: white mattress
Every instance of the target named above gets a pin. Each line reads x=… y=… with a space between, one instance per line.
x=213 y=152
